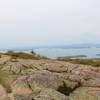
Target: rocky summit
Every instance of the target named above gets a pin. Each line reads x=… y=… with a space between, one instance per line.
x=46 y=79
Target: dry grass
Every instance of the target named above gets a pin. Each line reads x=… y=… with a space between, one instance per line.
x=6 y=80
x=22 y=55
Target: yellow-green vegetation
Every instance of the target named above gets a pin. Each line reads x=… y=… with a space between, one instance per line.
x=6 y=79
x=82 y=61
x=22 y=55
x=2 y=79
x=1 y=75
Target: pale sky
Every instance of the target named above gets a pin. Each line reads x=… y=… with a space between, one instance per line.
x=49 y=22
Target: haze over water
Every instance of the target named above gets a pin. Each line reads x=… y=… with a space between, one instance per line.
x=59 y=52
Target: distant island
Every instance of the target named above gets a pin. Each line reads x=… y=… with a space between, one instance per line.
x=75 y=56
x=97 y=54
x=73 y=46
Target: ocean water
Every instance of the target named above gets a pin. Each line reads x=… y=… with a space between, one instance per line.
x=60 y=52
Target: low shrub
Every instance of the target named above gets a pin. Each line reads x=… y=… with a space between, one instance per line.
x=82 y=61
x=22 y=55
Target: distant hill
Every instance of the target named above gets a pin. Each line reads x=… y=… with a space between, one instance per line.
x=72 y=46
x=75 y=46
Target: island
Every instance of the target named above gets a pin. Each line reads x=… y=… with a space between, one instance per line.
x=97 y=54
x=74 y=56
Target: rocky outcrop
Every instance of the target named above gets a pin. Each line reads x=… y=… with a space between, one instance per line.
x=39 y=81
x=50 y=94
x=86 y=93
x=49 y=80
x=4 y=59
x=21 y=97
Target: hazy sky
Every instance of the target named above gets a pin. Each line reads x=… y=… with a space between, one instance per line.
x=49 y=22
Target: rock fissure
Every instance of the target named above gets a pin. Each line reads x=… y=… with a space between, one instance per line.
x=67 y=90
